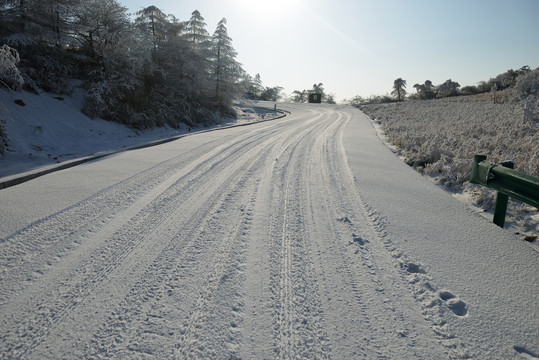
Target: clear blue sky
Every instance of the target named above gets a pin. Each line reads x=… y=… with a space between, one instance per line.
x=359 y=47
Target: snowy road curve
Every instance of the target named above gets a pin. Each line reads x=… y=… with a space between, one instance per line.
x=302 y=237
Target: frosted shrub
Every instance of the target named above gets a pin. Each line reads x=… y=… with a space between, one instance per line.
x=527 y=84
x=94 y=102
x=50 y=72
x=10 y=75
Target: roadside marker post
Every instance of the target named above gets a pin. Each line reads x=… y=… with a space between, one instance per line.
x=508 y=183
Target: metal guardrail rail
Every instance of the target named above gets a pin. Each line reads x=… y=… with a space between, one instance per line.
x=508 y=183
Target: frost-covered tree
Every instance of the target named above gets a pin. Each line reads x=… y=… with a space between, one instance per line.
x=100 y=25
x=355 y=101
x=330 y=99
x=399 y=89
x=527 y=84
x=299 y=96
x=26 y=22
x=41 y=30
x=226 y=71
x=10 y=75
x=198 y=64
x=196 y=32
x=15 y=15
x=157 y=25
x=426 y=90
x=113 y=62
x=318 y=88
x=150 y=71
x=271 y=94
x=448 y=88
x=175 y=87
x=256 y=87
x=507 y=79
x=483 y=87
x=55 y=19
x=469 y=90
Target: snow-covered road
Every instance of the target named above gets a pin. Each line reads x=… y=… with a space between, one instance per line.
x=303 y=237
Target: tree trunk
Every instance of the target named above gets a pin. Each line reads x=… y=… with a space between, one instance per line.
x=22 y=9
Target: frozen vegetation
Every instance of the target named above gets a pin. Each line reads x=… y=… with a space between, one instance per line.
x=143 y=70
x=440 y=137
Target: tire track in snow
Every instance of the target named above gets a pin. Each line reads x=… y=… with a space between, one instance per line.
x=97 y=267
x=298 y=330
x=192 y=344
x=66 y=291
x=352 y=287
x=196 y=337
x=192 y=334
x=261 y=305
x=31 y=251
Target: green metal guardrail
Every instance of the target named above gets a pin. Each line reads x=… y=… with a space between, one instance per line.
x=507 y=182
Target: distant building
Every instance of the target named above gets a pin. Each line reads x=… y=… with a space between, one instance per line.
x=315 y=98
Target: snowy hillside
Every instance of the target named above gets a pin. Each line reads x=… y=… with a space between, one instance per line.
x=439 y=138
x=43 y=130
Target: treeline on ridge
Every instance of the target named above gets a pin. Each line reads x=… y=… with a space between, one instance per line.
x=524 y=81
x=143 y=70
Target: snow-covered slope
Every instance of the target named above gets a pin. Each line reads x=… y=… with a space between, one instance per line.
x=303 y=237
x=45 y=130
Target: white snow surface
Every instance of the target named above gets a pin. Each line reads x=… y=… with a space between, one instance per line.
x=49 y=130
x=302 y=237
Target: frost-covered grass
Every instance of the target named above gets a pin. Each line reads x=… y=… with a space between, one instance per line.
x=440 y=137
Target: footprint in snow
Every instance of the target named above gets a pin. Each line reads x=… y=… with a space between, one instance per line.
x=526 y=354
x=344 y=219
x=412 y=268
x=358 y=240
x=457 y=306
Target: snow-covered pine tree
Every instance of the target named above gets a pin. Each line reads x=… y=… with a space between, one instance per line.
x=100 y=25
x=196 y=32
x=29 y=22
x=197 y=65
x=226 y=71
x=257 y=87
x=159 y=26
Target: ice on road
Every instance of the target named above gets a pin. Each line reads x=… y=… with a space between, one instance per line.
x=303 y=237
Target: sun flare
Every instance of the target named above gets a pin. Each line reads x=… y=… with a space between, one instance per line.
x=268 y=9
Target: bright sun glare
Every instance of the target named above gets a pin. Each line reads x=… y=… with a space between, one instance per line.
x=267 y=8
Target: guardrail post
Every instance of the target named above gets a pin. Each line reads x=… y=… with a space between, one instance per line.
x=501 y=201
x=508 y=183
